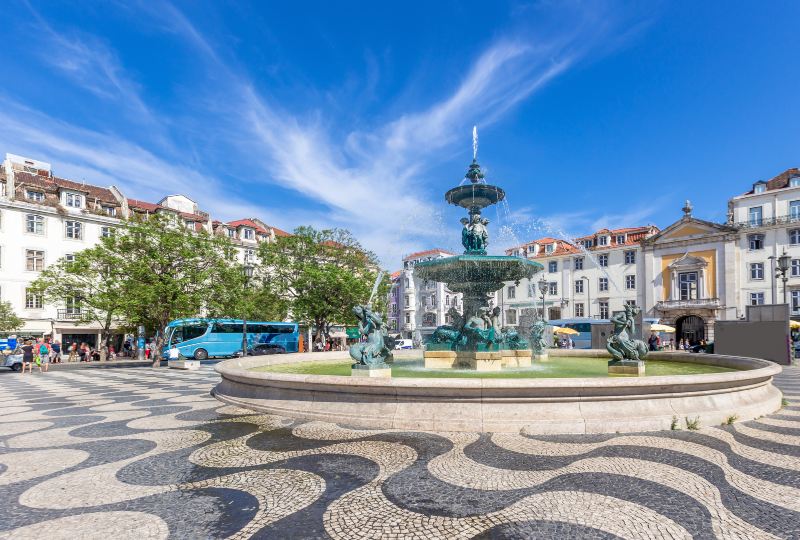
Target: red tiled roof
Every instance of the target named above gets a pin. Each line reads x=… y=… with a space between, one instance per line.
x=247 y=223
x=143 y=205
x=193 y=217
x=780 y=181
x=427 y=252
x=396 y=274
x=280 y=232
x=54 y=183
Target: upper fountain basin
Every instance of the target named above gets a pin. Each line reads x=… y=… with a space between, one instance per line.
x=477 y=269
x=475 y=195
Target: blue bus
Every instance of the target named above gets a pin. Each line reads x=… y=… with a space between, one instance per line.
x=206 y=338
x=583 y=325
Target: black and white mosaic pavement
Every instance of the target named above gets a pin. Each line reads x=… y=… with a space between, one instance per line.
x=142 y=453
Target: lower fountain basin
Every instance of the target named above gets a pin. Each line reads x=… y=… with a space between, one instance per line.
x=487 y=403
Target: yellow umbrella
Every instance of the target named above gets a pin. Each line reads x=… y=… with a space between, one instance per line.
x=794 y=325
x=662 y=328
x=559 y=330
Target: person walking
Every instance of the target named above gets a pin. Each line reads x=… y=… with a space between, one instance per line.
x=83 y=352
x=44 y=354
x=27 y=357
x=73 y=352
x=55 y=349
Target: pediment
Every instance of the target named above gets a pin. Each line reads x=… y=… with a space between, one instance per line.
x=688 y=227
x=688 y=261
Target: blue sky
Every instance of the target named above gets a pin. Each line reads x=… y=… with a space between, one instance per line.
x=358 y=115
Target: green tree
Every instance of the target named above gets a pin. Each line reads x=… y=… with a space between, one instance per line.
x=8 y=319
x=171 y=272
x=319 y=275
x=88 y=287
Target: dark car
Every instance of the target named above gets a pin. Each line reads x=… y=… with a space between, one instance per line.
x=266 y=348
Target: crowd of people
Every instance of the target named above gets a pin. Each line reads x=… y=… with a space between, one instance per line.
x=41 y=352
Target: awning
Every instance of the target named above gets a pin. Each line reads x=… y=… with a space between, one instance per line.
x=353 y=333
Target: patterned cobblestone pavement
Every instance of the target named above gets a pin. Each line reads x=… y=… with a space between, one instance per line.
x=141 y=453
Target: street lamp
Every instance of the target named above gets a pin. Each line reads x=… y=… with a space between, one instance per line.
x=588 y=298
x=784 y=262
x=543 y=289
x=247 y=270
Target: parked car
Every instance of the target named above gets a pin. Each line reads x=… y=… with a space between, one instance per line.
x=12 y=361
x=266 y=348
x=403 y=344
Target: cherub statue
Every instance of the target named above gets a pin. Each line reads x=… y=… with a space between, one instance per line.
x=621 y=343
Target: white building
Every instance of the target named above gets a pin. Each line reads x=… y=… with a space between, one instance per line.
x=423 y=305
x=591 y=276
x=246 y=234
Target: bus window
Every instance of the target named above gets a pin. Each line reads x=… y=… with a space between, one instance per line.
x=176 y=336
x=193 y=331
x=228 y=328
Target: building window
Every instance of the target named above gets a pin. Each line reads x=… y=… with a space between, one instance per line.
x=408 y=318
x=630 y=282
x=249 y=256
x=631 y=303
x=248 y=234
x=603 y=310
x=189 y=224
x=34 y=260
x=756 y=298
x=796 y=302
x=579 y=309
x=578 y=263
x=231 y=233
x=34 y=224
x=794 y=210
x=757 y=271
x=511 y=292
x=602 y=260
x=552 y=266
x=602 y=284
x=105 y=231
x=406 y=300
x=511 y=316
x=73 y=200
x=620 y=239
x=447 y=300
x=69 y=257
x=429 y=319
x=759 y=188
x=755 y=241
x=794 y=181
x=579 y=286
x=795 y=267
x=687 y=285
x=74 y=230
x=109 y=210
x=548 y=248
x=33 y=301
x=433 y=300
x=552 y=288
x=754 y=216
x=794 y=237
x=602 y=240
x=31 y=195
x=630 y=257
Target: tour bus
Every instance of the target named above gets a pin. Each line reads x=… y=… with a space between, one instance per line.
x=205 y=338
x=583 y=325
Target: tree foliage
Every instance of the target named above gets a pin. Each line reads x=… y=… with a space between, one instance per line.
x=9 y=321
x=319 y=275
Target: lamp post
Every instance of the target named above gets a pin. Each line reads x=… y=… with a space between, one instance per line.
x=588 y=298
x=543 y=289
x=247 y=270
x=784 y=262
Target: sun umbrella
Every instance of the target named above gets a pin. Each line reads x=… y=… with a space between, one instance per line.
x=565 y=331
x=662 y=328
x=794 y=325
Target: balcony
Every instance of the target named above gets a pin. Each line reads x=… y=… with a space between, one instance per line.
x=69 y=314
x=767 y=222
x=705 y=303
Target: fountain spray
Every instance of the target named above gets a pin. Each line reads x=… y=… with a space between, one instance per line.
x=375 y=285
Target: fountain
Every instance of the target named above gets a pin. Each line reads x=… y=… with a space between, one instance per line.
x=475 y=340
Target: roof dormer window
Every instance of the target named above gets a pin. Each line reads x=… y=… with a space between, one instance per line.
x=231 y=233
x=794 y=181
x=548 y=248
x=620 y=239
x=759 y=187
x=248 y=234
x=73 y=200
x=32 y=195
x=602 y=240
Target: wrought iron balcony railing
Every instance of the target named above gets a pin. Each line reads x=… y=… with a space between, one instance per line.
x=767 y=222
x=69 y=314
x=693 y=303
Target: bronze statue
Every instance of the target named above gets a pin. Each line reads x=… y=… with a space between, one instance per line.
x=621 y=344
x=375 y=351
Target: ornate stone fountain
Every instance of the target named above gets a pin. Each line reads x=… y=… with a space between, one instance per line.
x=475 y=339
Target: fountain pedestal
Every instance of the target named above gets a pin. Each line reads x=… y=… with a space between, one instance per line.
x=517 y=358
x=626 y=367
x=543 y=357
x=382 y=372
x=474 y=360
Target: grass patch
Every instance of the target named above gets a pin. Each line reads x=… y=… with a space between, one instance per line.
x=675 y=425
x=731 y=419
x=694 y=424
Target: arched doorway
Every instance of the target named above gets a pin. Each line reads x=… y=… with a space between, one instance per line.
x=692 y=328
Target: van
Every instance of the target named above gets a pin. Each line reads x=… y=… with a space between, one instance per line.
x=403 y=344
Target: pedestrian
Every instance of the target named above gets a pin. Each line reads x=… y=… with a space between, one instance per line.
x=83 y=352
x=73 y=352
x=27 y=357
x=112 y=354
x=44 y=354
x=653 y=341
x=56 y=352
x=148 y=350
x=174 y=353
